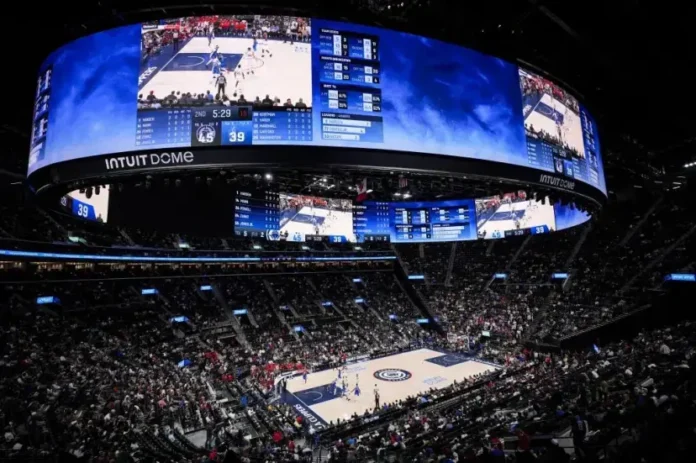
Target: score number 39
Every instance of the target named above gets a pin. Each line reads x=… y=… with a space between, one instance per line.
x=237 y=137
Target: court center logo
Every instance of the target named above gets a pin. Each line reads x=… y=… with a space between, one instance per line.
x=392 y=374
x=205 y=134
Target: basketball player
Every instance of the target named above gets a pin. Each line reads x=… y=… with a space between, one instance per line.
x=332 y=388
x=216 y=66
x=214 y=55
x=211 y=35
x=344 y=388
x=376 y=397
x=356 y=391
x=265 y=51
x=248 y=60
x=238 y=77
x=304 y=376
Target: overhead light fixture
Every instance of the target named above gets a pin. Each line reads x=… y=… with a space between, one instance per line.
x=269 y=176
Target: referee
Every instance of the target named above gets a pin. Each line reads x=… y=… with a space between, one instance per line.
x=376 y=398
x=221 y=83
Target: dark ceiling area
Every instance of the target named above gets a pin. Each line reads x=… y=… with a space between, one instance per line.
x=630 y=61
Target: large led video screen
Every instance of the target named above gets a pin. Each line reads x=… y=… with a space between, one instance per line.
x=300 y=218
x=277 y=80
x=513 y=214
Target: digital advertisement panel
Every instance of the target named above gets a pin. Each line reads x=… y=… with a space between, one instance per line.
x=278 y=80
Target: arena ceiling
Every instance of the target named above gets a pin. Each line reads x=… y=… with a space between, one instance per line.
x=629 y=60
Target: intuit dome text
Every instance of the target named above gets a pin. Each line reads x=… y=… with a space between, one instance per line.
x=149 y=160
x=557 y=182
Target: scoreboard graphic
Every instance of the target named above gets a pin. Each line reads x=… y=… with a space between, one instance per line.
x=451 y=220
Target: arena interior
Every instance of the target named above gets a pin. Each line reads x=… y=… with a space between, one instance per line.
x=224 y=238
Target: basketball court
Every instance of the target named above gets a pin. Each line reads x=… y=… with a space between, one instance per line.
x=186 y=71
x=550 y=115
x=396 y=377
x=328 y=222
x=529 y=214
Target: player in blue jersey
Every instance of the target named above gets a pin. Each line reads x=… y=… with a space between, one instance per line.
x=216 y=65
x=254 y=46
x=356 y=391
x=213 y=55
x=304 y=376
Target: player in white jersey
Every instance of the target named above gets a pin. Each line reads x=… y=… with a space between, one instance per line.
x=249 y=59
x=239 y=76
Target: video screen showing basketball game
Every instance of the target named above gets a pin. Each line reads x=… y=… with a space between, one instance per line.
x=302 y=215
x=513 y=214
x=553 y=126
x=199 y=66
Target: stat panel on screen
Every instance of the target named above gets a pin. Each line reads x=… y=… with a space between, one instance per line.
x=404 y=222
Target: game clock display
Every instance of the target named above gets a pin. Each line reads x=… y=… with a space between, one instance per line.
x=538 y=230
x=222 y=126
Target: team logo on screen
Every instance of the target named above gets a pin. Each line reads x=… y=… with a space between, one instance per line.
x=206 y=134
x=392 y=374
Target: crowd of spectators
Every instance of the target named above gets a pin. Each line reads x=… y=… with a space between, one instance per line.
x=108 y=375
x=106 y=383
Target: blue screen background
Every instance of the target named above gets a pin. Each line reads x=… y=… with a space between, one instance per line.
x=441 y=98
x=93 y=104
x=566 y=217
x=436 y=98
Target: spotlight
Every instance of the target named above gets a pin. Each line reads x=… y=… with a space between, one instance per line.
x=269 y=176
